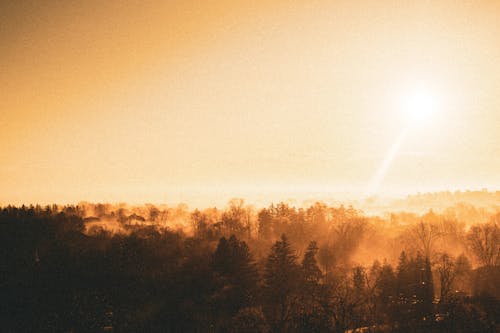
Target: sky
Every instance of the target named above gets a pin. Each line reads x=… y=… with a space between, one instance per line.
x=169 y=101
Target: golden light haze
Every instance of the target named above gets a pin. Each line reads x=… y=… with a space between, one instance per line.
x=154 y=101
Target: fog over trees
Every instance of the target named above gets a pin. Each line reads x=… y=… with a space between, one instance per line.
x=317 y=268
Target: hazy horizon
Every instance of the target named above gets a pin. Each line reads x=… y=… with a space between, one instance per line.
x=418 y=202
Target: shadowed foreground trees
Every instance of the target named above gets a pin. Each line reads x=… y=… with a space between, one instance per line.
x=56 y=277
x=235 y=280
x=281 y=285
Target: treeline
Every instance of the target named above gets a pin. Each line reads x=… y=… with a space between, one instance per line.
x=278 y=269
x=473 y=206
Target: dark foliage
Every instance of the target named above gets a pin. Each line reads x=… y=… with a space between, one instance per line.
x=56 y=277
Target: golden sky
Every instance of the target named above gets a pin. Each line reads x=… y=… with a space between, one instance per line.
x=168 y=101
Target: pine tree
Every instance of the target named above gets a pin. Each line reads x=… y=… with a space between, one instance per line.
x=404 y=278
x=310 y=314
x=310 y=269
x=236 y=275
x=428 y=288
x=359 y=279
x=281 y=284
x=386 y=291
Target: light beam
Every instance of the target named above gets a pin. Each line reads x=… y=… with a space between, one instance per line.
x=386 y=163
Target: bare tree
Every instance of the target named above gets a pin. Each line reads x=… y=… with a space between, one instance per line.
x=426 y=234
x=447 y=273
x=484 y=241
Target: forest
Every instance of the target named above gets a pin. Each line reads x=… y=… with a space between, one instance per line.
x=320 y=268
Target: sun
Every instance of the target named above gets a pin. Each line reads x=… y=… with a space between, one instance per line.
x=420 y=105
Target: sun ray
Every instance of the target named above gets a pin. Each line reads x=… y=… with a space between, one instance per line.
x=386 y=163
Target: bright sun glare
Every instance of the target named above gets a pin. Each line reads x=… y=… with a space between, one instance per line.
x=420 y=105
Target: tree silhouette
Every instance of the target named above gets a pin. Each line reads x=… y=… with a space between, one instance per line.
x=233 y=263
x=484 y=241
x=310 y=315
x=310 y=269
x=57 y=274
x=281 y=281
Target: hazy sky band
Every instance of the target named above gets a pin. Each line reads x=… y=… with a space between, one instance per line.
x=151 y=101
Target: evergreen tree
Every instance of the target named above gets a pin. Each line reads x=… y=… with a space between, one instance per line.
x=310 y=269
x=359 y=279
x=311 y=315
x=236 y=276
x=386 y=292
x=428 y=289
x=281 y=284
x=404 y=278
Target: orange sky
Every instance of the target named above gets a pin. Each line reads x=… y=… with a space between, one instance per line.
x=155 y=101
